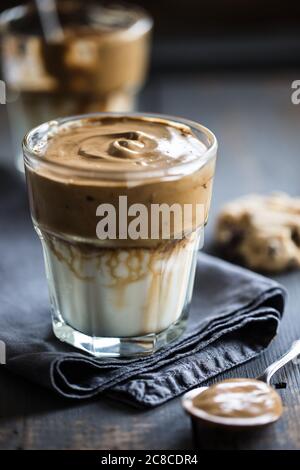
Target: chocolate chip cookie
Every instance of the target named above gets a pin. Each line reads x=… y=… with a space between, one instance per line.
x=263 y=232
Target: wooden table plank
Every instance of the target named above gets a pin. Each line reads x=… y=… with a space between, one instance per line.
x=34 y=418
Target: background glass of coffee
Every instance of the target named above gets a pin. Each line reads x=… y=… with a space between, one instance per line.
x=121 y=294
x=71 y=57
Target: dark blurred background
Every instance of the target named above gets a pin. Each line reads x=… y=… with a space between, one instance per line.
x=221 y=33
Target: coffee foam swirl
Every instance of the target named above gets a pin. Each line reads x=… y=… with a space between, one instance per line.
x=129 y=142
x=123 y=145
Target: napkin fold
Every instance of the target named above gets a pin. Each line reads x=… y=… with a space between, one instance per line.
x=234 y=315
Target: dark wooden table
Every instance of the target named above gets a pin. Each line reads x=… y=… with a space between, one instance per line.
x=259 y=136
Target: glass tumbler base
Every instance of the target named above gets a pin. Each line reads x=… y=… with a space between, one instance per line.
x=118 y=347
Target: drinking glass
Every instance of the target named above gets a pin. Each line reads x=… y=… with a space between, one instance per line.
x=116 y=297
x=71 y=57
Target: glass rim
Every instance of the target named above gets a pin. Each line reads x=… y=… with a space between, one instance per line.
x=19 y=12
x=184 y=168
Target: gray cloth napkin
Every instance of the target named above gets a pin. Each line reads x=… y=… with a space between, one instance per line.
x=234 y=315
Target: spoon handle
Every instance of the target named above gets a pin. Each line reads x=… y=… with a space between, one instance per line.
x=293 y=352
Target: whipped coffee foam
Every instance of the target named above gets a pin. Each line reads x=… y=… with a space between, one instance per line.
x=129 y=142
x=102 y=50
x=65 y=201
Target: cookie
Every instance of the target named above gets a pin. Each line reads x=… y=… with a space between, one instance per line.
x=263 y=232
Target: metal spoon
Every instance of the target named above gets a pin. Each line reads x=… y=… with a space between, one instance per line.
x=293 y=352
